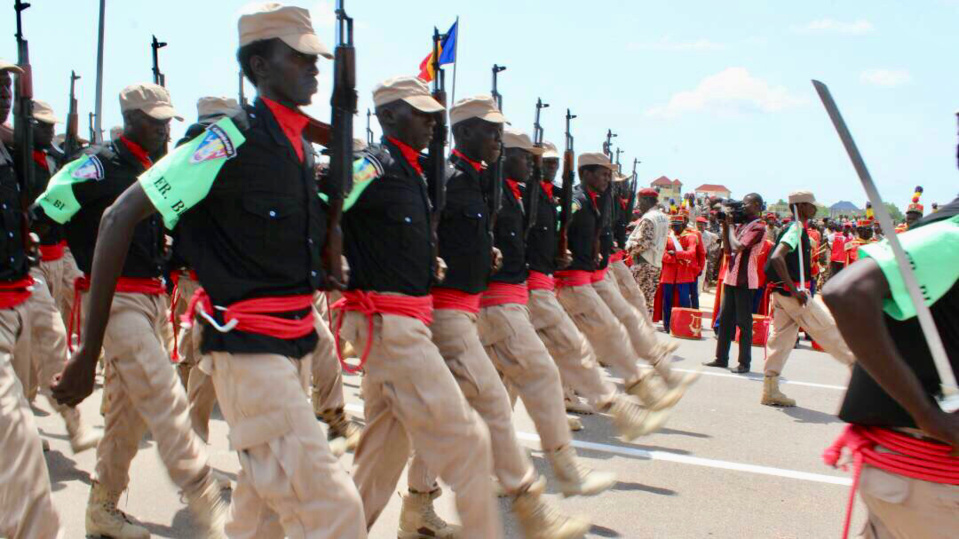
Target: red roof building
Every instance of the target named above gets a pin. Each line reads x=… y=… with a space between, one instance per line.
x=662 y=181
x=712 y=189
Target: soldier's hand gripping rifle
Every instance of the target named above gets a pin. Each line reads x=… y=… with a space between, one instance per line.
x=566 y=197
x=496 y=187
x=533 y=184
x=338 y=137
x=436 y=170
x=369 y=131
x=71 y=143
x=23 y=121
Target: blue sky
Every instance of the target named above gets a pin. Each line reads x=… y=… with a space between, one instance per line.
x=707 y=92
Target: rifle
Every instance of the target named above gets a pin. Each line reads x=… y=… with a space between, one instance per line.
x=496 y=189
x=340 y=137
x=158 y=76
x=23 y=119
x=566 y=202
x=631 y=203
x=242 y=95
x=70 y=142
x=533 y=185
x=93 y=129
x=436 y=170
x=608 y=145
x=618 y=165
x=369 y=132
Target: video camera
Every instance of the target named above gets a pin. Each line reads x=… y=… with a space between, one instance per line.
x=736 y=208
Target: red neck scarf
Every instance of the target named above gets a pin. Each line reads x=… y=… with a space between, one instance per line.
x=547 y=188
x=477 y=166
x=514 y=187
x=412 y=156
x=40 y=158
x=622 y=202
x=291 y=123
x=141 y=155
x=593 y=196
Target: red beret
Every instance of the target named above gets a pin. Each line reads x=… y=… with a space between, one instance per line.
x=647 y=192
x=701 y=220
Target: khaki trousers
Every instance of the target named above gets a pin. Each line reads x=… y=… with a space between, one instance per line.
x=199 y=387
x=290 y=484
x=144 y=393
x=26 y=507
x=59 y=275
x=412 y=397
x=788 y=317
x=629 y=288
x=602 y=329
x=511 y=342
x=327 y=372
x=48 y=337
x=642 y=334
x=455 y=334
x=903 y=508
x=569 y=349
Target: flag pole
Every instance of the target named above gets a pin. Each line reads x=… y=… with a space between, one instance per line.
x=456 y=57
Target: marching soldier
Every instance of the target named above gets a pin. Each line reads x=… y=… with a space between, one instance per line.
x=466 y=247
x=509 y=336
x=28 y=509
x=567 y=346
x=792 y=308
x=244 y=200
x=411 y=395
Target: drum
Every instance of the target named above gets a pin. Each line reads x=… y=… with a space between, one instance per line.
x=760 y=330
x=686 y=323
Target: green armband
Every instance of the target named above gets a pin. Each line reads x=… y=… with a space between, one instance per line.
x=183 y=178
x=933 y=252
x=58 y=201
x=791 y=237
x=365 y=170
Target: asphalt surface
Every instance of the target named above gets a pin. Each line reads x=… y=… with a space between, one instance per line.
x=723 y=467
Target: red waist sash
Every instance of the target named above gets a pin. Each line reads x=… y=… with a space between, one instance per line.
x=255 y=315
x=617 y=256
x=566 y=278
x=52 y=253
x=503 y=294
x=13 y=293
x=457 y=300
x=373 y=303
x=598 y=275
x=540 y=281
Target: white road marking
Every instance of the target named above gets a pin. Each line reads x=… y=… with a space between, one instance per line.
x=681 y=459
x=740 y=377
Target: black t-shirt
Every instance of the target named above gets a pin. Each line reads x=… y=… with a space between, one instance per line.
x=541 y=244
x=13 y=257
x=464 y=238
x=508 y=237
x=866 y=403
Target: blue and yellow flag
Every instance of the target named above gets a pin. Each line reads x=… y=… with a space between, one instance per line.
x=447 y=52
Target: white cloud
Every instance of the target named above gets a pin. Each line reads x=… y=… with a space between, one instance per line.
x=732 y=91
x=886 y=77
x=854 y=28
x=667 y=44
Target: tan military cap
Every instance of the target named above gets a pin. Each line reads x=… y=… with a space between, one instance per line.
x=480 y=106
x=210 y=107
x=409 y=89
x=359 y=145
x=290 y=24
x=514 y=138
x=7 y=66
x=798 y=197
x=617 y=177
x=549 y=150
x=595 y=158
x=152 y=99
x=43 y=112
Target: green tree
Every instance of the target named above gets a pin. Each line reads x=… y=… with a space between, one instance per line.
x=894 y=212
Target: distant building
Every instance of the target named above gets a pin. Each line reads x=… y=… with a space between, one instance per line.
x=668 y=189
x=712 y=190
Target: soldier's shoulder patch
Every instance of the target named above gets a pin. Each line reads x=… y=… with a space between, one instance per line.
x=366 y=168
x=215 y=145
x=576 y=206
x=91 y=168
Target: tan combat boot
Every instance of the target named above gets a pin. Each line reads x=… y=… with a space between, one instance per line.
x=343 y=433
x=574 y=423
x=104 y=519
x=575 y=478
x=540 y=520
x=209 y=507
x=418 y=519
x=632 y=420
x=82 y=437
x=654 y=393
x=772 y=396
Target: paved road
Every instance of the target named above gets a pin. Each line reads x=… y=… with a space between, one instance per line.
x=724 y=466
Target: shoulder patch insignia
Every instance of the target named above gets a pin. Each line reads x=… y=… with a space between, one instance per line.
x=90 y=169
x=215 y=145
x=366 y=168
x=576 y=206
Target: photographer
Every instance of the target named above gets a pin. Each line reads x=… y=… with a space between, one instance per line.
x=741 y=279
